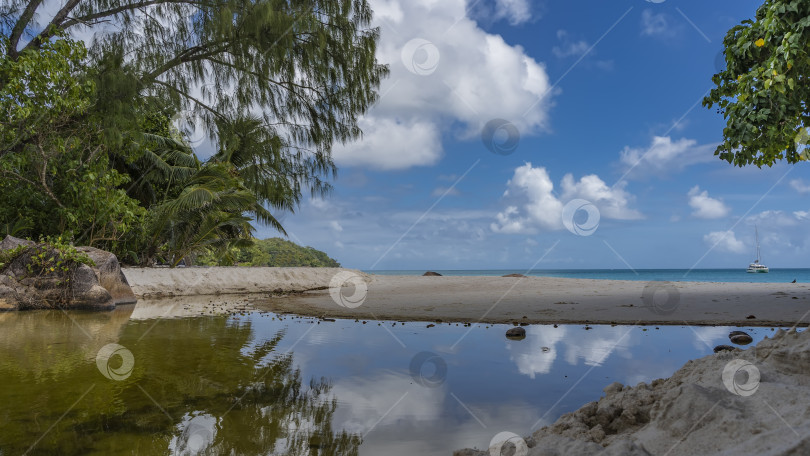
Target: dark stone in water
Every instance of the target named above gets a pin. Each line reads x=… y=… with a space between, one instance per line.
x=720 y=348
x=516 y=333
x=431 y=274
x=750 y=317
x=740 y=338
x=514 y=275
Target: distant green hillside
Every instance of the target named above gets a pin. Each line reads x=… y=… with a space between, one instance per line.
x=271 y=252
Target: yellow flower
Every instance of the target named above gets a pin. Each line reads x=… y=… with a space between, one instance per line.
x=759 y=43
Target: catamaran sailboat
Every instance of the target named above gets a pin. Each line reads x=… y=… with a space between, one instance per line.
x=756 y=266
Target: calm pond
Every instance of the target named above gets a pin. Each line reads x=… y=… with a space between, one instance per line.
x=259 y=383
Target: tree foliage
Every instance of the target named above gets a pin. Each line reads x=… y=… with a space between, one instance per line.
x=91 y=143
x=274 y=252
x=763 y=93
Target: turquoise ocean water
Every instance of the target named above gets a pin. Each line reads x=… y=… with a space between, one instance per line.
x=672 y=275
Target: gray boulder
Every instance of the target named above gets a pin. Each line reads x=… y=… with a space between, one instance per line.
x=10 y=242
x=25 y=284
x=109 y=274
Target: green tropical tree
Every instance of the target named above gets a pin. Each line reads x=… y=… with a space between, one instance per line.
x=307 y=67
x=305 y=70
x=763 y=92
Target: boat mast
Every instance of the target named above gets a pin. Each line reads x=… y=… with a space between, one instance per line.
x=756 y=231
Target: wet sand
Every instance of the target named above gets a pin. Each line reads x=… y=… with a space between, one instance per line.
x=557 y=300
x=484 y=299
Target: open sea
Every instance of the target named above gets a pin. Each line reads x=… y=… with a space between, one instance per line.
x=672 y=275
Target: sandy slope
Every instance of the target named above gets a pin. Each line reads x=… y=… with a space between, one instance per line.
x=695 y=412
x=161 y=282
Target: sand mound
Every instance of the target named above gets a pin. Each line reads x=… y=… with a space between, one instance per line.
x=162 y=282
x=703 y=409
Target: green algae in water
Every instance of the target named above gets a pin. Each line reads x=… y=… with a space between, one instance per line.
x=197 y=386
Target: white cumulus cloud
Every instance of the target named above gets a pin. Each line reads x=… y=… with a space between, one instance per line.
x=725 y=241
x=515 y=11
x=569 y=47
x=664 y=155
x=653 y=24
x=535 y=206
x=800 y=186
x=468 y=77
x=705 y=206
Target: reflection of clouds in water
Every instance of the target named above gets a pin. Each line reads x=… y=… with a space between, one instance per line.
x=709 y=336
x=294 y=424
x=442 y=423
x=593 y=347
x=597 y=344
x=363 y=401
x=196 y=434
x=528 y=353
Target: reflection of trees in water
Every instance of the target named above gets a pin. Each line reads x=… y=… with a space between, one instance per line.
x=213 y=389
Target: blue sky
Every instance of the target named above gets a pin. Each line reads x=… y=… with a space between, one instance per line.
x=605 y=97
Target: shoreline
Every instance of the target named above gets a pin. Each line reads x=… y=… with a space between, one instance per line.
x=482 y=299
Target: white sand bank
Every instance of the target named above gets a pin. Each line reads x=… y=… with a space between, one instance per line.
x=163 y=282
x=695 y=412
x=558 y=300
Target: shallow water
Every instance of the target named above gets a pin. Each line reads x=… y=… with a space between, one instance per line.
x=260 y=384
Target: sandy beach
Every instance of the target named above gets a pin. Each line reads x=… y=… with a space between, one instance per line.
x=305 y=291
x=557 y=300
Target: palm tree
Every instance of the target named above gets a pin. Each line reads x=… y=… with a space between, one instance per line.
x=275 y=172
x=211 y=213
